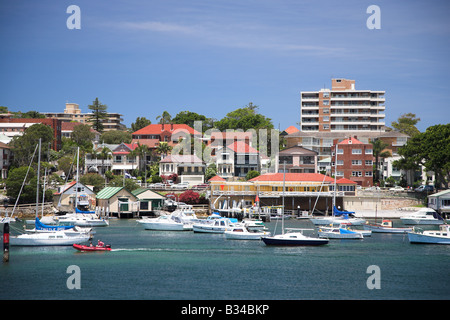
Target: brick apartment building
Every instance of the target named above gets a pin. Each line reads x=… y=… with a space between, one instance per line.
x=16 y=126
x=354 y=161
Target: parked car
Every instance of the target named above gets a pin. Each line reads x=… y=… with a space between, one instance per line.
x=181 y=185
x=397 y=189
x=425 y=188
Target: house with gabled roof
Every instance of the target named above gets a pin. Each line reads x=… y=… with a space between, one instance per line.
x=149 y=200
x=117 y=201
x=65 y=198
x=171 y=133
x=188 y=168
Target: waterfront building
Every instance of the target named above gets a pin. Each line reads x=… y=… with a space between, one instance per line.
x=117 y=201
x=298 y=159
x=148 y=200
x=188 y=168
x=354 y=161
x=65 y=198
x=301 y=191
x=342 y=109
x=72 y=112
x=440 y=202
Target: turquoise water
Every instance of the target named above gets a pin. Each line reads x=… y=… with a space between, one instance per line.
x=158 y=265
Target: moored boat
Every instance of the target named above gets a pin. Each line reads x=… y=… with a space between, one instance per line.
x=340 y=232
x=165 y=223
x=386 y=226
x=441 y=236
x=243 y=233
x=423 y=216
x=291 y=238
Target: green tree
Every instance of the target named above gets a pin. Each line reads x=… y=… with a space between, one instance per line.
x=116 y=137
x=119 y=181
x=83 y=136
x=211 y=171
x=379 y=152
x=406 y=124
x=98 y=114
x=188 y=117
x=244 y=118
x=163 y=148
x=430 y=149
x=14 y=183
x=23 y=146
x=141 y=122
x=93 y=179
x=252 y=174
x=165 y=118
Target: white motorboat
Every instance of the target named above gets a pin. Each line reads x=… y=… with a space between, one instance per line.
x=386 y=226
x=83 y=220
x=441 y=236
x=340 y=232
x=55 y=238
x=293 y=237
x=186 y=214
x=213 y=225
x=165 y=223
x=244 y=233
x=423 y=216
x=254 y=224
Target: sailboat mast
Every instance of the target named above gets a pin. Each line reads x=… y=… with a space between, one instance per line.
x=284 y=182
x=335 y=173
x=38 y=171
x=76 y=184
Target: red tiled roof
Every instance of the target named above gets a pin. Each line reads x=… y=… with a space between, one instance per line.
x=216 y=178
x=157 y=129
x=242 y=147
x=345 y=181
x=351 y=141
x=316 y=177
x=291 y=129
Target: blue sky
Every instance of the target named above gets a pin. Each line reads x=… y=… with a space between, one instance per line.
x=211 y=57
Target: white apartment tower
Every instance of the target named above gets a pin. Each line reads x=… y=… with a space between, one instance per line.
x=342 y=109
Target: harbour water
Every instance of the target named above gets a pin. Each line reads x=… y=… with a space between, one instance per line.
x=159 y=265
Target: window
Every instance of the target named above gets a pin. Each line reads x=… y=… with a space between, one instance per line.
x=356 y=162
x=340 y=151
x=340 y=162
x=369 y=162
x=339 y=173
x=369 y=174
x=356 y=151
x=326 y=118
x=369 y=151
x=356 y=174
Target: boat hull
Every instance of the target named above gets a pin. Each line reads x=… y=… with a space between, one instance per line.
x=380 y=229
x=421 y=221
x=208 y=229
x=332 y=235
x=427 y=239
x=232 y=235
x=274 y=241
x=321 y=221
x=44 y=239
x=89 y=248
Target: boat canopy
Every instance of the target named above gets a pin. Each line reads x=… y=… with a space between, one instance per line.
x=337 y=212
x=40 y=226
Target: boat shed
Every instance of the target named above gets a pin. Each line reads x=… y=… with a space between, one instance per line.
x=440 y=202
x=64 y=199
x=118 y=201
x=149 y=201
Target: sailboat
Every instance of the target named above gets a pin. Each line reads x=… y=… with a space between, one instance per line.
x=49 y=238
x=338 y=216
x=82 y=218
x=293 y=236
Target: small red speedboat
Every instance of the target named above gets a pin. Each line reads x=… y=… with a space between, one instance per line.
x=92 y=248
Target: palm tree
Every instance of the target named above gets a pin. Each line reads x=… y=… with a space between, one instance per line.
x=163 y=148
x=378 y=147
x=104 y=154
